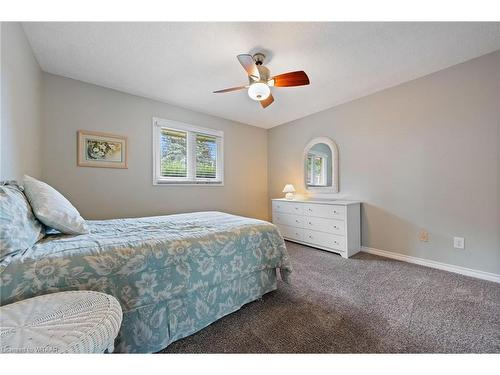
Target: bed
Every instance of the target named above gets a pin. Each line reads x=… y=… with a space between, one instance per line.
x=173 y=275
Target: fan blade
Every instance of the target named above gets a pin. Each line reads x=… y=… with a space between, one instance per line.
x=230 y=89
x=268 y=101
x=249 y=65
x=298 y=78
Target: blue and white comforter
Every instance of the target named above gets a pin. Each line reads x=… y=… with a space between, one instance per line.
x=173 y=275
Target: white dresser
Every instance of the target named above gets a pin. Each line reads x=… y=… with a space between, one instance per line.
x=332 y=225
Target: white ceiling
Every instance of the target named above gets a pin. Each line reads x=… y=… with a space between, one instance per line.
x=182 y=63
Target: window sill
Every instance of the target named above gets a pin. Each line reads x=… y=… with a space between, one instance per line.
x=187 y=183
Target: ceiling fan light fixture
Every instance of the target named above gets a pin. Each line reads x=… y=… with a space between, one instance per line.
x=259 y=91
x=260 y=80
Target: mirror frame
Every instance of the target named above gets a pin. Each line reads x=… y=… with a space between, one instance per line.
x=335 y=165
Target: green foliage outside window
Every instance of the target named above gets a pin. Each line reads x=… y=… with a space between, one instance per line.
x=173 y=145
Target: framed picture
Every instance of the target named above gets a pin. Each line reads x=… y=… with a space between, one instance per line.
x=101 y=150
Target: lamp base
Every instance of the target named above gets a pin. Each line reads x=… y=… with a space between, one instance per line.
x=289 y=196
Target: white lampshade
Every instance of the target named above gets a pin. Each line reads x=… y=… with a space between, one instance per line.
x=259 y=91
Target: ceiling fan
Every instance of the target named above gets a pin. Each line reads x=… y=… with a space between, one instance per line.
x=260 y=79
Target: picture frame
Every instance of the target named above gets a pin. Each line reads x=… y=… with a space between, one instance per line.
x=101 y=150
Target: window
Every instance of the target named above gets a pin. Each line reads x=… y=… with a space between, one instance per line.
x=186 y=154
x=316 y=169
x=206 y=156
x=173 y=158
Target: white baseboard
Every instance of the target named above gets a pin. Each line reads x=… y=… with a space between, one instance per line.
x=433 y=264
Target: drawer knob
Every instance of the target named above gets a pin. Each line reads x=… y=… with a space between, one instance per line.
x=336 y=227
x=296 y=221
x=310 y=236
x=335 y=242
x=334 y=211
x=310 y=209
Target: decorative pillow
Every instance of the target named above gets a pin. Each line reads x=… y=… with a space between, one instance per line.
x=52 y=209
x=19 y=228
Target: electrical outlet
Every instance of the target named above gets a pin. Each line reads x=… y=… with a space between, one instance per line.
x=423 y=236
x=458 y=242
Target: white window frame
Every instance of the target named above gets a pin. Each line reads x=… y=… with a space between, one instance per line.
x=192 y=130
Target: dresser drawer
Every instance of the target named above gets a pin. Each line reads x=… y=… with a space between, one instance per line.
x=289 y=219
x=331 y=226
x=324 y=239
x=327 y=211
x=291 y=232
x=288 y=207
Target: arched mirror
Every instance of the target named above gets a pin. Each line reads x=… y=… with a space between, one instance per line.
x=321 y=166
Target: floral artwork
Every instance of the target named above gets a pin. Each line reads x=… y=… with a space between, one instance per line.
x=101 y=150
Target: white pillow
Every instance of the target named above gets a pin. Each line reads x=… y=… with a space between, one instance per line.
x=52 y=209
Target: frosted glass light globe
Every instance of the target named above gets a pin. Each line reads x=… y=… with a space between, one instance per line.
x=259 y=91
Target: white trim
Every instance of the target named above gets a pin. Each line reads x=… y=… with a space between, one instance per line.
x=191 y=131
x=433 y=264
x=177 y=125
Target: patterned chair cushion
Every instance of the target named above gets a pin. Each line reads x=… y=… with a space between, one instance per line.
x=52 y=209
x=19 y=228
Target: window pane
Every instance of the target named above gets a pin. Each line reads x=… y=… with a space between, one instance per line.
x=309 y=170
x=206 y=156
x=173 y=153
x=318 y=169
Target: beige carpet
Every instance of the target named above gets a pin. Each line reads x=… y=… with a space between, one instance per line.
x=365 y=304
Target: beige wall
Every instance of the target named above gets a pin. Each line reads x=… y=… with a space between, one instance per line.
x=422 y=155
x=69 y=105
x=21 y=124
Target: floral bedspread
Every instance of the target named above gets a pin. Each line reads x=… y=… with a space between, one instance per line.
x=172 y=274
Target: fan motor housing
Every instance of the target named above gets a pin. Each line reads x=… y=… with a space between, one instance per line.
x=264 y=73
x=259 y=58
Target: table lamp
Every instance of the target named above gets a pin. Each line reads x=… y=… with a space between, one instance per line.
x=289 y=190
